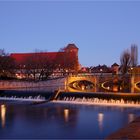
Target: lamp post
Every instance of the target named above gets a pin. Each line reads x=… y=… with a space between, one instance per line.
x=101 y=70
x=132 y=80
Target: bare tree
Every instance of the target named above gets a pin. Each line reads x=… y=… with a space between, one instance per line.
x=134 y=55
x=7 y=65
x=125 y=61
x=34 y=64
x=39 y=65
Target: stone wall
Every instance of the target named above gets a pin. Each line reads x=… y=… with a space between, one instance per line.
x=50 y=85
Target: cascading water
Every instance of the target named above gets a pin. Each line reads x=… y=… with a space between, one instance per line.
x=30 y=98
x=80 y=98
x=98 y=101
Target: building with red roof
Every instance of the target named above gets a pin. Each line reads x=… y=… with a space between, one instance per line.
x=65 y=59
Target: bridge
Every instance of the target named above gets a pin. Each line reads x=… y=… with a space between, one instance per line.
x=102 y=83
x=81 y=83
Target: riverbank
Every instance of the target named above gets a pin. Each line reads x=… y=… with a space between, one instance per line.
x=131 y=131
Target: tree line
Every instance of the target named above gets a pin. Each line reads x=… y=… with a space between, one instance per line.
x=7 y=65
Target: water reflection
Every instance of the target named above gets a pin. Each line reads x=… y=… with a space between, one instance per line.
x=131 y=117
x=62 y=121
x=3 y=115
x=100 y=120
x=66 y=115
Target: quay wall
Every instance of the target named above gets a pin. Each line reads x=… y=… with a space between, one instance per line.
x=49 y=85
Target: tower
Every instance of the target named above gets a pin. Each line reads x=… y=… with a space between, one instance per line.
x=72 y=56
x=71 y=48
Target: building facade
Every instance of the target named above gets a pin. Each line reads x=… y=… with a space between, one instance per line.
x=47 y=63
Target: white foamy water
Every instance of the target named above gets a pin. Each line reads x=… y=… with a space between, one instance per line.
x=38 y=98
x=73 y=100
x=101 y=102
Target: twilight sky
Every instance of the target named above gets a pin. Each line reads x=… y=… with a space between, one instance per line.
x=101 y=30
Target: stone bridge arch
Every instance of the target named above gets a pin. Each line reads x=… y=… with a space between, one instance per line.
x=81 y=83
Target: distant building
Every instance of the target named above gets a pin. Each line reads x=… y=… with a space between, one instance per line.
x=66 y=59
x=101 y=69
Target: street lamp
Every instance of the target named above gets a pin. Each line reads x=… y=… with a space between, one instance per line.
x=101 y=70
x=131 y=70
x=132 y=80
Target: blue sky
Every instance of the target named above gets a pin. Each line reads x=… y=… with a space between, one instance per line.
x=101 y=30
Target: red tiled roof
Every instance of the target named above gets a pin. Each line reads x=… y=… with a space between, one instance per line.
x=71 y=46
x=21 y=58
x=65 y=58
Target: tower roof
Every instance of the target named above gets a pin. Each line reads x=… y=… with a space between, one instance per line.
x=115 y=64
x=71 y=46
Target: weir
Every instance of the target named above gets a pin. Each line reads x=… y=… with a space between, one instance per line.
x=119 y=99
x=59 y=96
x=29 y=96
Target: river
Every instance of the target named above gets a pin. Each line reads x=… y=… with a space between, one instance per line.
x=62 y=120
